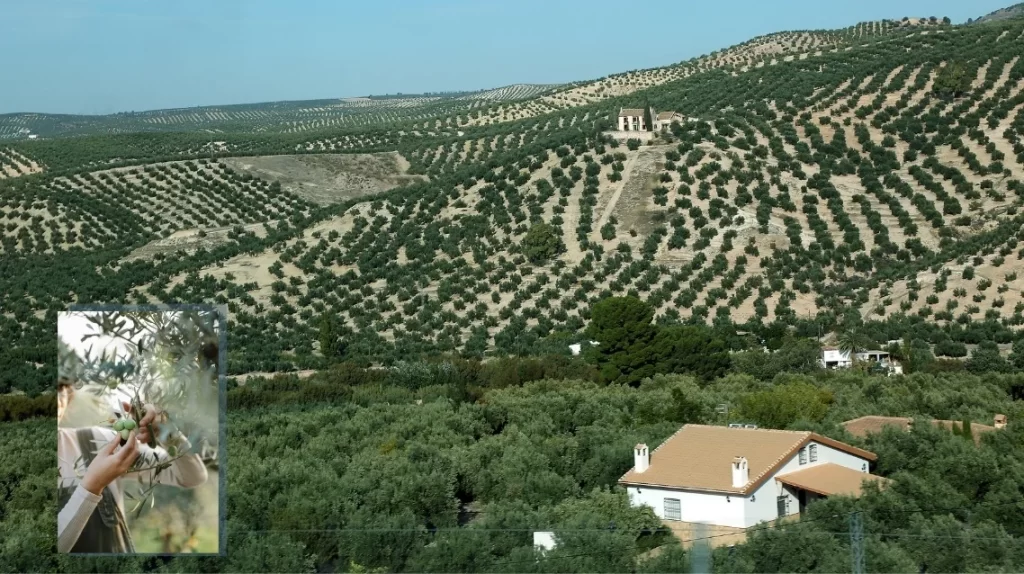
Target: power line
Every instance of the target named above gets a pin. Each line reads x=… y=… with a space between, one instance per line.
x=968 y=508
x=858 y=559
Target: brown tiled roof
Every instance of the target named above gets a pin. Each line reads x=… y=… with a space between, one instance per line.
x=667 y=115
x=829 y=479
x=699 y=457
x=874 y=424
x=631 y=112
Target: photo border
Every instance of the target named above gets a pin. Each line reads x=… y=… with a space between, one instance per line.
x=222 y=356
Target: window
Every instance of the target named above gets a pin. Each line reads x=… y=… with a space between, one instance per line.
x=673 y=510
x=814 y=452
x=783 y=505
x=803 y=455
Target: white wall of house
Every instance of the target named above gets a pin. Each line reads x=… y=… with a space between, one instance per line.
x=843 y=357
x=717 y=509
x=764 y=506
x=631 y=123
x=743 y=511
x=544 y=540
x=643 y=136
x=834 y=358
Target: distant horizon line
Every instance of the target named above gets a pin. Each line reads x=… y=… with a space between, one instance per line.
x=256 y=103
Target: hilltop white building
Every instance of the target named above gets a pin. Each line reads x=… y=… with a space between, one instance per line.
x=632 y=120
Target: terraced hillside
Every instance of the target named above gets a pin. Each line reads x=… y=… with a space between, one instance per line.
x=847 y=181
x=14 y=164
x=761 y=51
x=274 y=117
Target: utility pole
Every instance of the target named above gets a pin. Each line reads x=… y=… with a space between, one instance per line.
x=857 y=542
x=700 y=551
x=723 y=409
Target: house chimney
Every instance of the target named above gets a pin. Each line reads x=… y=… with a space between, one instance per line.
x=641 y=458
x=740 y=472
x=1000 y=422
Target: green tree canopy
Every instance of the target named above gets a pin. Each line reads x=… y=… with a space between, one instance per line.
x=794 y=356
x=690 y=349
x=623 y=326
x=542 y=242
x=952 y=81
x=780 y=406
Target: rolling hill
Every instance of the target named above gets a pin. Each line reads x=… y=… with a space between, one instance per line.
x=866 y=175
x=272 y=117
x=1015 y=11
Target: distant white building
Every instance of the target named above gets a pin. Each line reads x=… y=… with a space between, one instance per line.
x=577 y=348
x=833 y=358
x=741 y=477
x=544 y=541
x=632 y=120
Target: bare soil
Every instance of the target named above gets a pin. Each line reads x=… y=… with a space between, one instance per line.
x=330 y=178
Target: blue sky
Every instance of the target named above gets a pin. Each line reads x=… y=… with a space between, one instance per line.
x=104 y=56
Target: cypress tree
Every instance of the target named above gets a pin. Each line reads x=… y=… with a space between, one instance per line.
x=648 y=117
x=965 y=429
x=329 y=337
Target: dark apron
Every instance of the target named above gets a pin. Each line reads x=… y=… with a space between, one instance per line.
x=106 y=531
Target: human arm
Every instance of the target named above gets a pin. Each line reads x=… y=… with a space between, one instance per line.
x=185 y=471
x=109 y=463
x=71 y=519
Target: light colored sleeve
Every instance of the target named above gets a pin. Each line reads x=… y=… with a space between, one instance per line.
x=71 y=519
x=186 y=471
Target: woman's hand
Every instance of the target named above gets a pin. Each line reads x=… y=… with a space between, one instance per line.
x=149 y=422
x=110 y=463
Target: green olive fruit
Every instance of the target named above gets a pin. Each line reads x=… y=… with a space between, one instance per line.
x=119 y=425
x=112 y=384
x=125 y=433
x=129 y=424
x=172 y=450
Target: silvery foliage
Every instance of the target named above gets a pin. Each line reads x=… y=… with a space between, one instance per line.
x=416 y=375
x=159 y=365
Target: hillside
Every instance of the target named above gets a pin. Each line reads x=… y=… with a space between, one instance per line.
x=1015 y=11
x=867 y=174
x=272 y=117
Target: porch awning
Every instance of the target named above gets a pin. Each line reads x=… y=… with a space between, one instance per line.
x=829 y=479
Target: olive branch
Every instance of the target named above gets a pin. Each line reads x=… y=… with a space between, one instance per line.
x=163 y=358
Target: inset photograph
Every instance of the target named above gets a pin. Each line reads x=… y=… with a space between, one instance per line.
x=140 y=409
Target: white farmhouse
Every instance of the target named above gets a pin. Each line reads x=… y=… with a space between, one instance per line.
x=632 y=120
x=664 y=120
x=740 y=477
x=833 y=358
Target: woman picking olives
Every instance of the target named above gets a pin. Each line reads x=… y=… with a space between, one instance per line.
x=92 y=516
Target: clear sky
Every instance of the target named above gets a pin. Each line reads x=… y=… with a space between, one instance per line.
x=104 y=56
